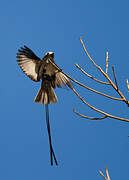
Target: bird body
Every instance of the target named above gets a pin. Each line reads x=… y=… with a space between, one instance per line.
x=42 y=69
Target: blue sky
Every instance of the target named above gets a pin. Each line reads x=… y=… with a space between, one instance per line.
x=82 y=146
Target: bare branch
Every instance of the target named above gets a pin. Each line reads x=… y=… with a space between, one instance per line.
x=107 y=174
x=102 y=174
x=91 y=76
x=127 y=85
x=115 y=77
x=87 y=52
x=106 y=62
x=91 y=118
x=109 y=80
x=95 y=109
x=114 y=98
x=102 y=112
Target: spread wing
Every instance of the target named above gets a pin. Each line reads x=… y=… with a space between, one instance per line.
x=62 y=80
x=29 y=62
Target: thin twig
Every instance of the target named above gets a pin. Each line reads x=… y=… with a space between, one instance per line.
x=91 y=76
x=114 y=98
x=95 y=109
x=107 y=174
x=127 y=85
x=106 y=62
x=87 y=117
x=115 y=77
x=92 y=89
x=109 y=80
x=102 y=174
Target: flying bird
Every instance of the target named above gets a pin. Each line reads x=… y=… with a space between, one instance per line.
x=43 y=70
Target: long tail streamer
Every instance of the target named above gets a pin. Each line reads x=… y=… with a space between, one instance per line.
x=52 y=154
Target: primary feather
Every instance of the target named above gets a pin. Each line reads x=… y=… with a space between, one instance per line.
x=29 y=62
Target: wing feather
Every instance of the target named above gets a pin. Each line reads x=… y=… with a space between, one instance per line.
x=62 y=80
x=29 y=62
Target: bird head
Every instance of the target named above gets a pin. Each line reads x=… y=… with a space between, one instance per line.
x=49 y=54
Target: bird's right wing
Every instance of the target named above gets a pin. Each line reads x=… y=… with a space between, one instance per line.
x=29 y=62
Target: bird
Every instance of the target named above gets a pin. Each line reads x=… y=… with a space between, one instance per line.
x=43 y=70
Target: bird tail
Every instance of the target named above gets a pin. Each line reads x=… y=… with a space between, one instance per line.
x=46 y=95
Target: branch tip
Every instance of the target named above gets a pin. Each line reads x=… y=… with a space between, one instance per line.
x=106 y=62
x=107 y=174
x=127 y=84
x=87 y=117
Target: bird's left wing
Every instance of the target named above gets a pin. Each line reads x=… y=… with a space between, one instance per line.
x=62 y=80
x=29 y=62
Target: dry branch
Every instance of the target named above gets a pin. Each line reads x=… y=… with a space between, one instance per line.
x=127 y=84
x=115 y=77
x=98 y=110
x=87 y=117
x=107 y=77
x=114 y=98
x=107 y=62
x=110 y=82
x=107 y=174
x=91 y=76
